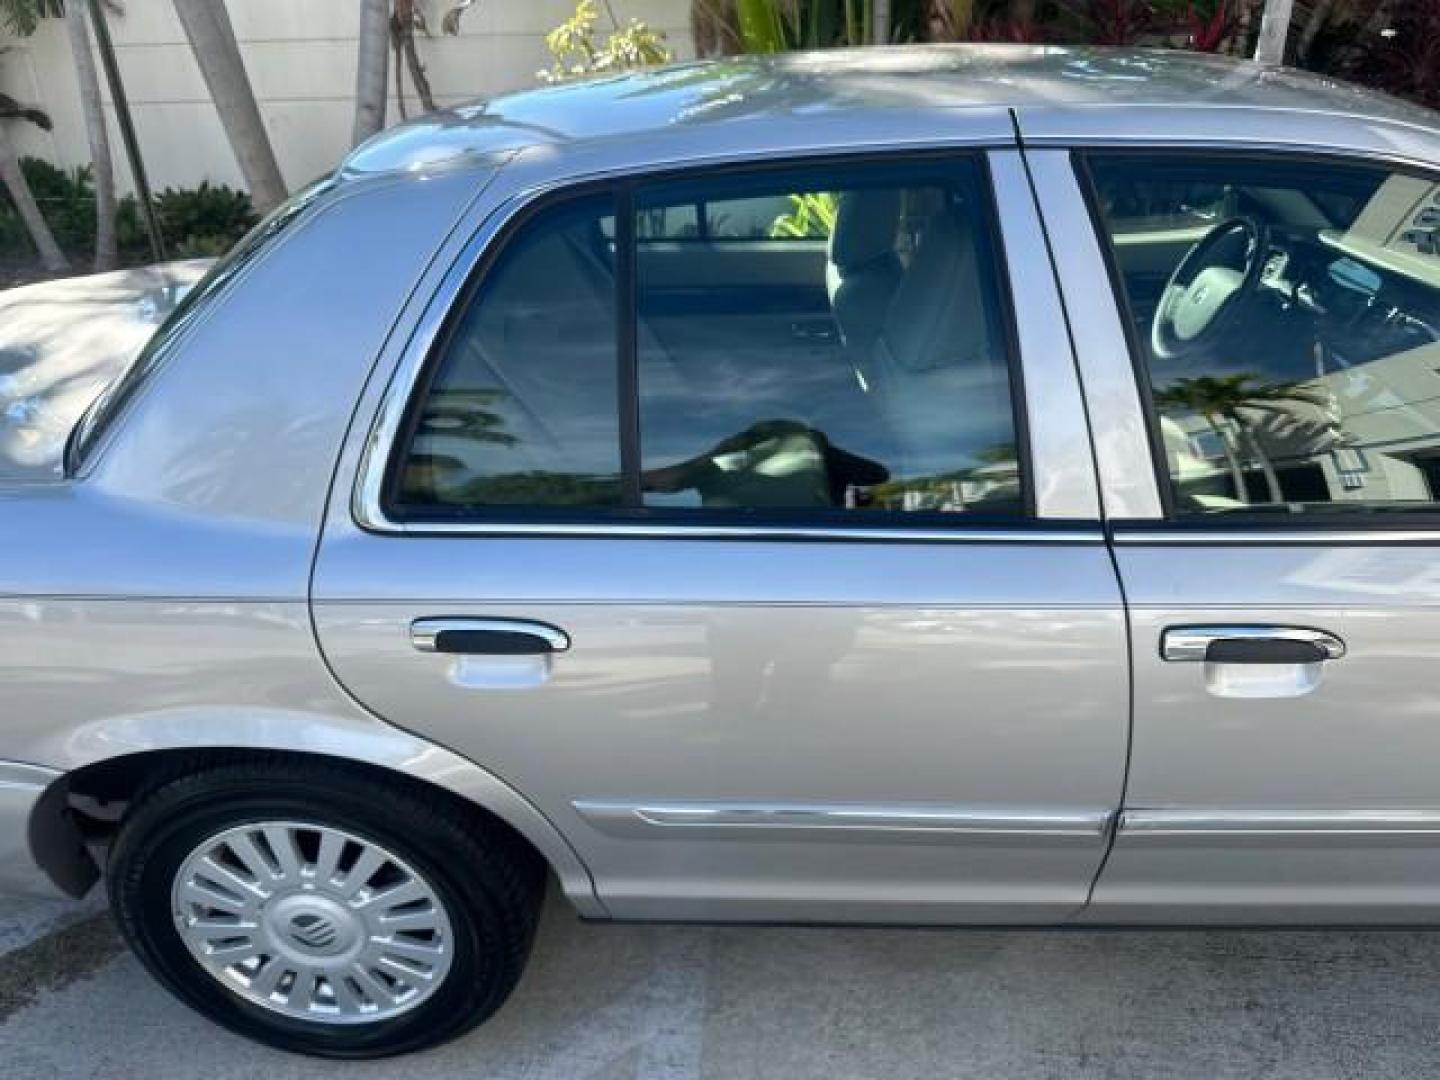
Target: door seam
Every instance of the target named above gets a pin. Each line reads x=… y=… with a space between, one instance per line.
x=1113 y=825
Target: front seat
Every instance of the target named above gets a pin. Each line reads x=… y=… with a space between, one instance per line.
x=863 y=268
x=937 y=369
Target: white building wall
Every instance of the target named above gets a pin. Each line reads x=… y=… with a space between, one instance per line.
x=300 y=55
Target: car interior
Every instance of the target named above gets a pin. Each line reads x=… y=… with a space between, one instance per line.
x=1288 y=317
x=838 y=349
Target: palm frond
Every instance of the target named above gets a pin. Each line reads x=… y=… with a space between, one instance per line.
x=10 y=109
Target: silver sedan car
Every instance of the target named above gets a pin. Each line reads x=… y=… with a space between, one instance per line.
x=933 y=486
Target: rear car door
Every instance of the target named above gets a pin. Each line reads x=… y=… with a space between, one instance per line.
x=791 y=605
x=1284 y=581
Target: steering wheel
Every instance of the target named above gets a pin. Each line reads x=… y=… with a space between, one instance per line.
x=1203 y=294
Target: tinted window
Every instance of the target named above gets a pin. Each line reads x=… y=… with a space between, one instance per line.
x=521 y=410
x=782 y=216
x=1291 y=335
x=859 y=365
x=841 y=347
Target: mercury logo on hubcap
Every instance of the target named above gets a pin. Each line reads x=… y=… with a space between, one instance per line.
x=312 y=931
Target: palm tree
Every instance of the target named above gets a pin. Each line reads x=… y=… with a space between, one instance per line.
x=948 y=20
x=1221 y=400
x=212 y=40
x=467 y=414
x=1274 y=31
x=715 y=28
x=880 y=32
x=91 y=104
x=21 y=17
x=372 y=69
x=1206 y=398
x=1320 y=14
x=51 y=257
x=404 y=21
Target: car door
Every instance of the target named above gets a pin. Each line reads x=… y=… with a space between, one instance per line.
x=1283 y=573
x=771 y=626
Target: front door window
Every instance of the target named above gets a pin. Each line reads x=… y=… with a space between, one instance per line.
x=1287 y=313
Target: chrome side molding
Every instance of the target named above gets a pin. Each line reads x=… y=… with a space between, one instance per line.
x=850 y=823
x=1265 y=827
x=1276 y=535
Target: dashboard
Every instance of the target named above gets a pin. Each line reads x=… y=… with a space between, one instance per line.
x=1370 y=290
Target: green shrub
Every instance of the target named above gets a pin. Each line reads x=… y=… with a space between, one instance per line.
x=131 y=239
x=194 y=222
x=67 y=199
x=207 y=219
x=201 y=247
x=14 y=240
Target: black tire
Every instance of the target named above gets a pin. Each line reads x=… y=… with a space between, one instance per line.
x=488 y=880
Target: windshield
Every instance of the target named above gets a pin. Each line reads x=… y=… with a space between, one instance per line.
x=122 y=390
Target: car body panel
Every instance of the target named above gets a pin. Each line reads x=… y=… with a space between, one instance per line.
x=1279 y=794
x=1384 y=135
x=684 y=649
x=21 y=788
x=873 y=91
x=92 y=680
x=262 y=452
x=708 y=693
x=159 y=602
x=1327 y=797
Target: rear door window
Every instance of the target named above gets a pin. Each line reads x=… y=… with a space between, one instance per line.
x=832 y=341
x=521 y=410
x=855 y=359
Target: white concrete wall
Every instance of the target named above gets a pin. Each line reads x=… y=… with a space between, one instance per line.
x=300 y=55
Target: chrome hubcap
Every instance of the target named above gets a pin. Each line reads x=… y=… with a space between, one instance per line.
x=313 y=922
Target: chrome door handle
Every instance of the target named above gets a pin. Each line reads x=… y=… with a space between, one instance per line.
x=1250 y=644
x=493 y=637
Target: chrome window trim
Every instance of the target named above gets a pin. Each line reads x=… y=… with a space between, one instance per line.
x=844 y=822
x=859 y=533
x=367 y=493
x=1140 y=144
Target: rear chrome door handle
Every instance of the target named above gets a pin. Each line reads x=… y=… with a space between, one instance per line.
x=1250 y=645
x=487 y=637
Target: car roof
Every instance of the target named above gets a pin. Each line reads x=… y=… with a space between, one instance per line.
x=867 y=84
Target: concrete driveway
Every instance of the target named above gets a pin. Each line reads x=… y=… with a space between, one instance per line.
x=676 y=1003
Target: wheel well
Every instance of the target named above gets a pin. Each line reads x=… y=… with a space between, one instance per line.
x=85 y=807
